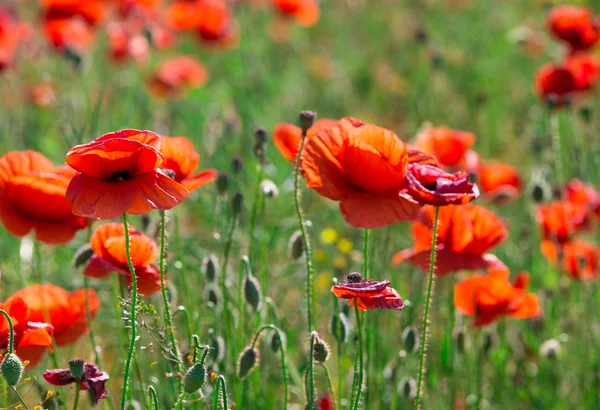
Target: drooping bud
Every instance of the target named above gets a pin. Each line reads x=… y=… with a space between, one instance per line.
x=76 y=367
x=296 y=245
x=195 y=378
x=321 y=350
x=252 y=292
x=213 y=294
x=217 y=344
x=237 y=163
x=550 y=349
x=339 y=326
x=488 y=343
x=408 y=387
x=145 y=221
x=306 y=119
x=260 y=135
x=459 y=339
x=410 y=339
x=210 y=267
x=222 y=182
x=82 y=256
x=274 y=341
x=247 y=361
x=586 y=113
x=237 y=203
x=12 y=369
x=541 y=191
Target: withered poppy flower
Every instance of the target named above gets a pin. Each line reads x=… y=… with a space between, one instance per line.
x=555 y=84
x=304 y=12
x=182 y=159
x=108 y=244
x=465 y=233
x=92 y=379
x=447 y=145
x=500 y=182
x=32 y=339
x=28 y=179
x=65 y=310
x=429 y=185
x=369 y=294
x=492 y=296
x=287 y=137
x=583 y=196
x=574 y=25
x=174 y=77
x=118 y=173
x=577 y=258
x=362 y=166
x=560 y=220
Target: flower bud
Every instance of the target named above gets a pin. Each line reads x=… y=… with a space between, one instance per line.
x=217 y=346
x=260 y=135
x=408 y=387
x=296 y=245
x=12 y=369
x=222 y=182
x=82 y=256
x=145 y=222
x=195 y=378
x=306 y=119
x=541 y=191
x=252 y=292
x=237 y=163
x=76 y=367
x=410 y=339
x=488 y=343
x=459 y=339
x=210 y=267
x=213 y=294
x=586 y=113
x=274 y=341
x=550 y=349
x=321 y=349
x=338 y=326
x=247 y=361
x=237 y=203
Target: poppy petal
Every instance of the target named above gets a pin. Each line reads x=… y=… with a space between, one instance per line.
x=154 y=190
x=22 y=162
x=202 y=178
x=349 y=290
x=98 y=268
x=364 y=210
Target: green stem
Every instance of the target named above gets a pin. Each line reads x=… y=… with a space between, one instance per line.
x=254 y=213
x=77 y=390
x=557 y=150
x=3 y=393
x=305 y=237
x=133 y=316
x=20 y=398
x=11 y=332
x=88 y=317
x=359 y=365
x=186 y=315
x=329 y=384
x=153 y=398
x=310 y=388
x=284 y=369
x=425 y=335
x=244 y=267
x=224 y=290
x=369 y=326
x=179 y=401
x=366 y=254
x=220 y=387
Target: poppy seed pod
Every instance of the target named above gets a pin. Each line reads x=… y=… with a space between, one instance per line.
x=260 y=135
x=338 y=326
x=76 y=367
x=222 y=182
x=211 y=267
x=213 y=294
x=252 y=292
x=195 y=378
x=306 y=119
x=321 y=350
x=247 y=361
x=274 y=341
x=296 y=245
x=82 y=256
x=12 y=369
x=408 y=387
x=217 y=344
x=237 y=203
x=410 y=339
x=237 y=163
x=550 y=349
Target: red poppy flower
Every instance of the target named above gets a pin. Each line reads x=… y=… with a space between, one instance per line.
x=464 y=235
x=304 y=12
x=500 y=182
x=447 y=145
x=11 y=35
x=583 y=196
x=325 y=402
x=66 y=311
x=93 y=11
x=42 y=95
x=108 y=244
x=429 y=185
x=364 y=167
x=491 y=296
x=135 y=8
x=125 y=42
x=287 y=137
x=182 y=159
x=577 y=258
x=560 y=220
x=555 y=83
x=574 y=25
x=585 y=68
x=369 y=294
x=72 y=34
x=118 y=173
x=92 y=379
x=31 y=338
x=28 y=179
x=175 y=76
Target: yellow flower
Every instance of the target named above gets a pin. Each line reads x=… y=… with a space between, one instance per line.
x=320 y=255
x=344 y=245
x=329 y=235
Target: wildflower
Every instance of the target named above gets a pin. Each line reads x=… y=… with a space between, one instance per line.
x=12 y=34
x=574 y=25
x=126 y=41
x=12 y=369
x=118 y=173
x=500 y=182
x=555 y=84
x=560 y=220
x=585 y=69
x=583 y=196
x=447 y=145
x=31 y=338
x=325 y=402
x=287 y=137
x=577 y=258
x=174 y=77
x=369 y=294
x=465 y=233
x=91 y=378
x=491 y=296
x=181 y=158
x=304 y=12
x=108 y=243
x=66 y=311
x=28 y=179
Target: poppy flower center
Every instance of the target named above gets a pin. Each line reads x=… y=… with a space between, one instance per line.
x=120 y=176
x=355 y=278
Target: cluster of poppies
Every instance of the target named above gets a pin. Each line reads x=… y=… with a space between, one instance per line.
x=578 y=30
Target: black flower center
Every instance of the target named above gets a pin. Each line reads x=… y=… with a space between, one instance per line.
x=355 y=278
x=120 y=176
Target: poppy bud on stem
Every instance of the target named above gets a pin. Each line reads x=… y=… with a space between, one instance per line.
x=12 y=367
x=220 y=387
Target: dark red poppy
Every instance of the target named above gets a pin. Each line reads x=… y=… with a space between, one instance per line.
x=304 y=12
x=69 y=34
x=583 y=196
x=176 y=76
x=561 y=220
x=28 y=179
x=577 y=258
x=575 y=25
x=136 y=8
x=108 y=244
x=287 y=137
x=499 y=182
x=429 y=185
x=65 y=310
x=492 y=296
x=465 y=233
x=555 y=84
x=369 y=294
x=92 y=11
x=447 y=145
x=119 y=173
x=32 y=339
x=181 y=158
x=92 y=379
x=325 y=402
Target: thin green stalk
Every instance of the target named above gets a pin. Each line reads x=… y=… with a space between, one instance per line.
x=3 y=393
x=153 y=397
x=88 y=317
x=11 y=332
x=244 y=269
x=224 y=290
x=359 y=370
x=557 y=150
x=366 y=254
x=369 y=327
x=329 y=384
x=220 y=387
x=77 y=390
x=254 y=213
x=305 y=237
x=133 y=316
x=179 y=401
x=282 y=349
x=425 y=335
x=186 y=315
x=310 y=388
x=20 y=398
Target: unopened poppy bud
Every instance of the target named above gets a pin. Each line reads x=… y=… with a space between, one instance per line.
x=76 y=367
x=210 y=267
x=237 y=163
x=421 y=35
x=408 y=387
x=306 y=119
x=247 y=362
x=195 y=378
x=260 y=135
x=217 y=344
x=168 y=172
x=259 y=151
x=459 y=339
x=213 y=295
x=586 y=113
x=12 y=369
x=252 y=292
x=338 y=326
x=237 y=202
x=346 y=310
x=550 y=349
x=410 y=339
x=296 y=245
x=222 y=182
x=541 y=191
x=321 y=349
x=274 y=341
x=488 y=343
x=269 y=189
x=355 y=277
x=145 y=222
x=82 y=256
